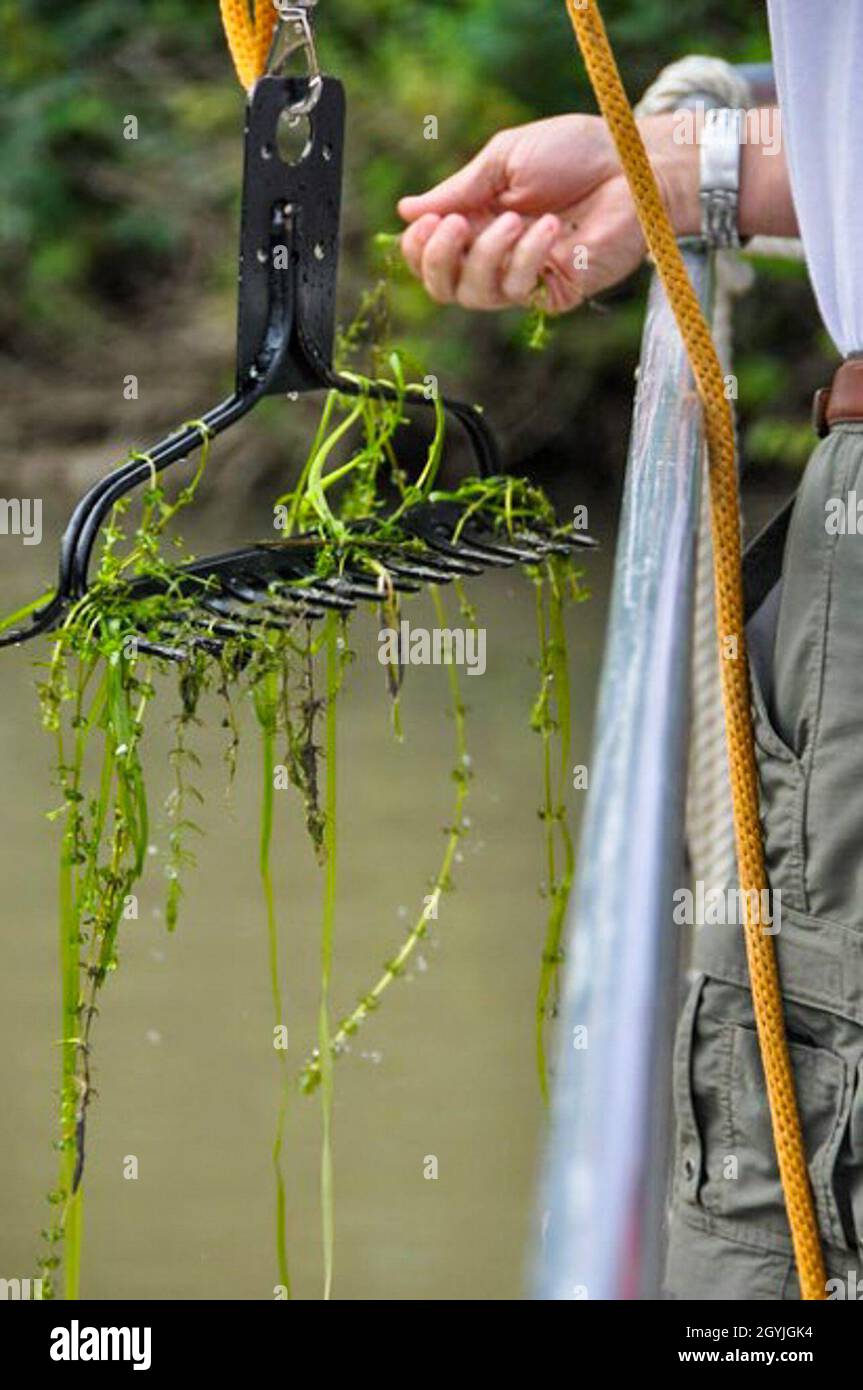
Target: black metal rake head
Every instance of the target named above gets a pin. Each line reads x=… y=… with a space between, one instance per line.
x=275 y=583
x=286 y=330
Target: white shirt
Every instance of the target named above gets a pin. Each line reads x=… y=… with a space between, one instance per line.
x=818 y=63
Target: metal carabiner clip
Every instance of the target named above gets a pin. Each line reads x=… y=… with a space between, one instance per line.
x=295 y=34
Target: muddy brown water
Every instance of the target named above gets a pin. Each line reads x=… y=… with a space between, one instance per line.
x=184 y=1066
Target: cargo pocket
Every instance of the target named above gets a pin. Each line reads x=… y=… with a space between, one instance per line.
x=824 y=1095
x=688 y=1165
x=726 y=1160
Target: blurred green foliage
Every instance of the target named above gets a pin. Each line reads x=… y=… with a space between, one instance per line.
x=98 y=231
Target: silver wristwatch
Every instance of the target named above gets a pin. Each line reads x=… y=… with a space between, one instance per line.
x=721 y=138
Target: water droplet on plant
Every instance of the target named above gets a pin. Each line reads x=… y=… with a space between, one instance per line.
x=152 y=849
x=422 y=964
x=459 y=858
x=153 y=1036
x=466 y=822
x=467 y=760
x=374 y=1057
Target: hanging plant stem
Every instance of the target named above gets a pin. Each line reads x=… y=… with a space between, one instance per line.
x=266 y=697
x=334 y=677
x=312 y=1074
x=70 y=1205
x=552 y=719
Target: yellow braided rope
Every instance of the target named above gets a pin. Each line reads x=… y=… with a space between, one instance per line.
x=249 y=40
x=725 y=523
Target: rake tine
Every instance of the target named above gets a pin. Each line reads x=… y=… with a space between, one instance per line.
x=238 y=587
x=562 y=544
x=235 y=626
x=228 y=627
x=221 y=608
x=164 y=653
x=254 y=587
x=355 y=589
x=316 y=593
x=455 y=563
x=224 y=630
x=481 y=554
x=340 y=583
x=423 y=570
x=208 y=644
x=435 y=524
x=511 y=550
x=402 y=582
x=556 y=548
x=308 y=612
x=249 y=589
x=361 y=588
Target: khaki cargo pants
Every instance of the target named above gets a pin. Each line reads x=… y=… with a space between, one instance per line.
x=729 y=1235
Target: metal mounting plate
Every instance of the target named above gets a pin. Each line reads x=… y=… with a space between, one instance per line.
x=311 y=189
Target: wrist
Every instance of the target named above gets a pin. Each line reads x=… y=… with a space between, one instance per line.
x=766 y=205
x=676 y=165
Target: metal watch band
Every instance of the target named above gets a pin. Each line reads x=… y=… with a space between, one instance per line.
x=721 y=138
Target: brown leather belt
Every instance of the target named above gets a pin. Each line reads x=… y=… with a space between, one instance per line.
x=840 y=403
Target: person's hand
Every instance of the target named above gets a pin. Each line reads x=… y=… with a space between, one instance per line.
x=543 y=204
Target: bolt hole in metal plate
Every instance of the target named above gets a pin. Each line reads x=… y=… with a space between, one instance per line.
x=311 y=188
x=293 y=138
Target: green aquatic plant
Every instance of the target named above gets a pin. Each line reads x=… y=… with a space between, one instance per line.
x=551 y=718
x=537 y=325
x=266 y=696
x=318 y=1067
x=98 y=685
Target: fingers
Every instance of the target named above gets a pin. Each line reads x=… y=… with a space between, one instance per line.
x=479 y=285
x=480 y=267
x=529 y=255
x=469 y=190
x=442 y=257
x=414 y=241
x=560 y=293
